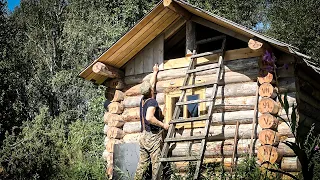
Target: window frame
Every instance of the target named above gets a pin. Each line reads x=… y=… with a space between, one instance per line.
x=170 y=105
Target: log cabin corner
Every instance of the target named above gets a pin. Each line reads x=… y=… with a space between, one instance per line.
x=256 y=68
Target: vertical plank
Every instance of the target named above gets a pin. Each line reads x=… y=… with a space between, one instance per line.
x=130 y=68
x=158 y=51
x=138 y=64
x=190 y=37
x=148 y=58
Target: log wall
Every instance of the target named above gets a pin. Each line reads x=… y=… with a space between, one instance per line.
x=236 y=101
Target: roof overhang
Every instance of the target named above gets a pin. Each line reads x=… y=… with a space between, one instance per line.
x=157 y=21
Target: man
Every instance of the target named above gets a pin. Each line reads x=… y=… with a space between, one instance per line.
x=151 y=127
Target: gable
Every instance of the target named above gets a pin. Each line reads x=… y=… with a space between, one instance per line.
x=162 y=18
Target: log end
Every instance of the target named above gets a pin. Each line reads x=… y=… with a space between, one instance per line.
x=167 y=3
x=254 y=45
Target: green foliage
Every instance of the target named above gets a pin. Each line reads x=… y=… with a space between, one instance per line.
x=297 y=23
x=307 y=148
x=246 y=169
x=247 y=13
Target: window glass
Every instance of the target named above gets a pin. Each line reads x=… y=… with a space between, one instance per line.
x=192 y=109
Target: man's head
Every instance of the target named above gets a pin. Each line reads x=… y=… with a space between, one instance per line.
x=145 y=88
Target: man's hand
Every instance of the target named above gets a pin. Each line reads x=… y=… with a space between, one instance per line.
x=165 y=126
x=156 y=68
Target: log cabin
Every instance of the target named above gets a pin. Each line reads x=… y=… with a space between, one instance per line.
x=244 y=119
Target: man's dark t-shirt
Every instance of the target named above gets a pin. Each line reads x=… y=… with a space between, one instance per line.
x=149 y=103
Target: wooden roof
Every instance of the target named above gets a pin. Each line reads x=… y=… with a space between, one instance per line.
x=157 y=21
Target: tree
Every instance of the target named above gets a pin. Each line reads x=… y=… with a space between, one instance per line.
x=297 y=23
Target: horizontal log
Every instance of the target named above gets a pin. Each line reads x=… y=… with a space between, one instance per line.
x=117 y=123
x=131 y=114
x=132 y=127
x=267 y=153
x=243 y=66
x=115 y=108
x=107 y=71
x=183 y=167
x=223 y=132
x=268 y=105
x=134 y=101
x=230 y=77
x=269 y=137
x=234 y=90
x=267 y=90
x=230 y=56
x=132 y=138
x=115 y=133
x=174 y=83
x=290 y=164
x=268 y=121
x=113 y=120
x=223 y=149
x=254 y=45
x=118 y=96
x=267 y=78
x=111 y=117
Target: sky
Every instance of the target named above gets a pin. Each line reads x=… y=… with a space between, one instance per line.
x=12 y=4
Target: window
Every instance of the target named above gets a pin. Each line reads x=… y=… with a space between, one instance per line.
x=190 y=110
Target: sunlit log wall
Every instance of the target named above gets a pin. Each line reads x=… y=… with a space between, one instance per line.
x=235 y=102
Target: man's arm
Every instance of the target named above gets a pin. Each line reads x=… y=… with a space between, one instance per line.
x=153 y=120
x=153 y=79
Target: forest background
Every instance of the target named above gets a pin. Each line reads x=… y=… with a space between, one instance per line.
x=51 y=123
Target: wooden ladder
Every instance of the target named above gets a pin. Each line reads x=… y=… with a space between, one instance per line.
x=176 y=120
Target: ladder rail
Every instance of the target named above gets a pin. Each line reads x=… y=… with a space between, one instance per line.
x=170 y=135
x=208 y=122
x=175 y=115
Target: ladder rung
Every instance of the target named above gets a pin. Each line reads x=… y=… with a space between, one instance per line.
x=193 y=102
x=199 y=69
x=189 y=138
x=207 y=53
x=210 y=39
x=193 y=119
x=177 y=159
x=200 y=85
